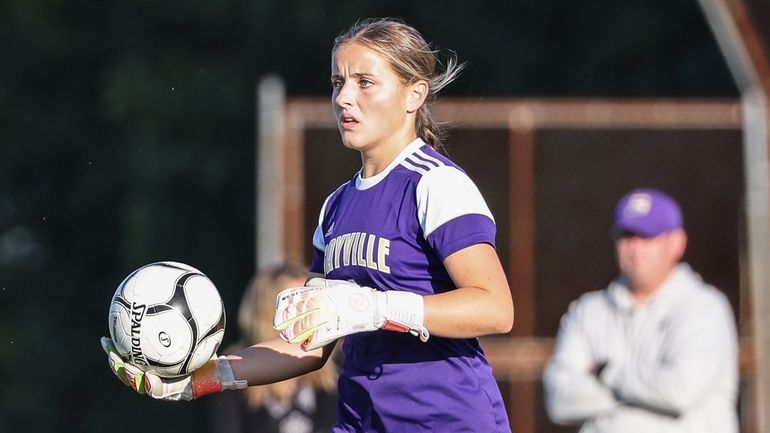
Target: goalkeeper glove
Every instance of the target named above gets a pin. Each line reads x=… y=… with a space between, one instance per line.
x=325 y=310
x=214 y=376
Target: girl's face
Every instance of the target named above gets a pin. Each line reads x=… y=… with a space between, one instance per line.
x=371 y=104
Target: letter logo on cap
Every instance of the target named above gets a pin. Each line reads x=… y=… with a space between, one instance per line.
x=638 y=205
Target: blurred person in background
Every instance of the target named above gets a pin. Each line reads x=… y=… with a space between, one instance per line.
x=305 y=404
x=655 y=351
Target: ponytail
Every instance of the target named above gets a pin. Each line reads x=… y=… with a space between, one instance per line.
x=430 y=131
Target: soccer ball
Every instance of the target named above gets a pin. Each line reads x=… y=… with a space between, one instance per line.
x=167 y=318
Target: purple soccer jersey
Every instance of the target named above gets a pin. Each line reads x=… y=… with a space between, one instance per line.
x=392 y=232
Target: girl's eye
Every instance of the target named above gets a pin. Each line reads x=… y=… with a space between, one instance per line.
x=336 y=83
x=365 y=83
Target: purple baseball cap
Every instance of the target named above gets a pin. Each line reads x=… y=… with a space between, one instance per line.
x=647 y=212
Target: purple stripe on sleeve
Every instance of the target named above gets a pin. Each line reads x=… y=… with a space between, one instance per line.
x=422 y=158
x=462 y=232
x=420 y=164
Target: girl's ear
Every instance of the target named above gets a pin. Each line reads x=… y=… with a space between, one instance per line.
x=416 y=97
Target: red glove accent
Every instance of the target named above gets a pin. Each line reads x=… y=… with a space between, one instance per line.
x=207 y=380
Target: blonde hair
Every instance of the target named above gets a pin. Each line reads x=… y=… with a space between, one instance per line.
x=255 y=323
x=413 y=60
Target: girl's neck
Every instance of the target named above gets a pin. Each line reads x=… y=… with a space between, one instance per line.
x=374 y=161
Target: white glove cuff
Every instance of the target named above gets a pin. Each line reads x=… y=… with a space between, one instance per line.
x=402 y=312
x=228 y=377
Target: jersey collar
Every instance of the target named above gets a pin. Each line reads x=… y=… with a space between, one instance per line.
x=362 y=184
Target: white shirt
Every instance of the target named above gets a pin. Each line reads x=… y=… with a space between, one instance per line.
x=672 y=363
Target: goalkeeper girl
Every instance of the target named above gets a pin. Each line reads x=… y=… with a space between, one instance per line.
x=405 y=266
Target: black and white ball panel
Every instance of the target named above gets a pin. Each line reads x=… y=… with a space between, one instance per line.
x=167 y=317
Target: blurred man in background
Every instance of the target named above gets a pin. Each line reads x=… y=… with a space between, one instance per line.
x=655 y=351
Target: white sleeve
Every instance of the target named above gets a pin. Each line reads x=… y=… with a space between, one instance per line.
x=572 y=393
x=445 y=193
x=701 y=352
x=318 y=235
